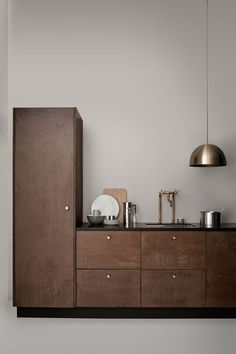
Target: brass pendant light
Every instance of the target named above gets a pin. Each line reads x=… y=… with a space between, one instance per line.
x=207 y=155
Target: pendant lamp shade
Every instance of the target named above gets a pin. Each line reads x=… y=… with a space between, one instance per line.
x=207 y=155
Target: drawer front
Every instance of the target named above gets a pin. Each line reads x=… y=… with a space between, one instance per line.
x=107 y=250
x=108 y=288
x=173 y=250
x=221 y=288
x=221 y=250
x=171 y=288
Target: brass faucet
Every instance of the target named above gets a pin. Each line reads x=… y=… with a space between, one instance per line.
x=171 y=200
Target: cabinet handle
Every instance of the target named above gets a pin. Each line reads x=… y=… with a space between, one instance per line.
x=173 y=276
x=174 y=237
x=108 y=276
x=108 y=237
x=67 y=208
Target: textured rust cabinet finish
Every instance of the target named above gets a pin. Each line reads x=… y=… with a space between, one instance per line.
x=221 y=288
x=47 y=189
x=221 y=250
x=108 y=288
x=173 y=250
x=108 y=250
x=173 y=288
x=221 y=274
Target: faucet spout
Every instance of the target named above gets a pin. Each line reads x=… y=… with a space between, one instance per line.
x=171 y=200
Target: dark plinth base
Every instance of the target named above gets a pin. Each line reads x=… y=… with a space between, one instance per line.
x=127 y=312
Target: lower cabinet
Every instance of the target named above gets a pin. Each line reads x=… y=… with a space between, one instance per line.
x=108 y=288
x=173 y=250
x=221 y=288
x=221 y=269
x=108 y=250
x=173 y=288
x=221 y=250
x=156 y=269
x=173 y=269
x=108 y=269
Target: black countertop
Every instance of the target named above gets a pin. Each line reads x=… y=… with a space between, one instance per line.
x=146 y=227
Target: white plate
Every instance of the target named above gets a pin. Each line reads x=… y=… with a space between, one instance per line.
x=107 y=204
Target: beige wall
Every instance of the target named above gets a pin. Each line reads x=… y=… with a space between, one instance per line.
x=5 y=162
x=136 y=71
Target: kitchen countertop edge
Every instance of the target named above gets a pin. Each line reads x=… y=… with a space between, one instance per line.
x=145 y=227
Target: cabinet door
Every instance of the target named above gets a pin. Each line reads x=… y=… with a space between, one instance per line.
x=173 y=288
x=221 y=250
x=44 y=207
x=221 y=288
x=173 y=250
x=108 y=249
x=108 y=288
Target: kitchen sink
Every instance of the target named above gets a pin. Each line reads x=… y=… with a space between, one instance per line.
x=169 y=225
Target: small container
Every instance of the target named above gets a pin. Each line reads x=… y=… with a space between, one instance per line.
x=110 y=217
x=111 y=220
x=134 y=215
x=96 y=212
x=180 y=220
x=210 y=219
x=127 y=212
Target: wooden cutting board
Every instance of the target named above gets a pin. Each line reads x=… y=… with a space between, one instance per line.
x=120 y=194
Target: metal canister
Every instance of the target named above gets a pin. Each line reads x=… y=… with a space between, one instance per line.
x=127 y=212
x=210 y=219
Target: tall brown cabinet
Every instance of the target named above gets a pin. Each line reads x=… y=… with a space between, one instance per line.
x=47 y=205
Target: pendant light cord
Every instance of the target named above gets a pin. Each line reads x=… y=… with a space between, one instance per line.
x=207 y=35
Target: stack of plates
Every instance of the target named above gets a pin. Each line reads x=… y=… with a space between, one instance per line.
x=109 y=208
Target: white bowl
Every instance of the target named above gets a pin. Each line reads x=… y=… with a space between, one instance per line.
x=111 y=222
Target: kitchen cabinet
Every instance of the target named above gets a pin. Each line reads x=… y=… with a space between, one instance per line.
x=173 y=269
x=108 y=288
x=221 y=248
x=170 y=268
x=47 y=200
x=221 y=288
x=173 y=288
x=221 y=269
x=60 y=264
x=108 y=250
x=108 y=268
x=173 y=250
x=177 y=269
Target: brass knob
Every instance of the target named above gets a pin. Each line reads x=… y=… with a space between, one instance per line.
x=173 y=276
x=108 y=237
x=108 y=276
x=67 y=207
x=174 y=237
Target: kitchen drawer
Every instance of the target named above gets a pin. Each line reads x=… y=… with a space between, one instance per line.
x=173 y=250
x=108 y=288
x=173 y=288
x=107 y=250
x=221 y=250
x=221 y=288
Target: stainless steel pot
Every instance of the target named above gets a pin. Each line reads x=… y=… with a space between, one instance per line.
x=210 y=219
